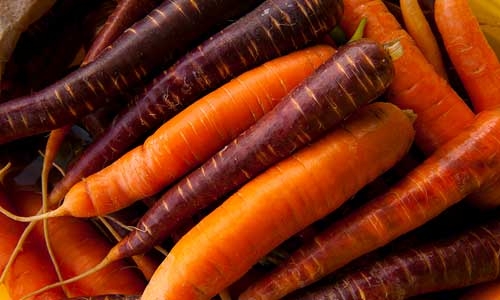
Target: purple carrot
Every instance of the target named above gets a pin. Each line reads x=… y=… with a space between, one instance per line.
x=457 y=262
x=271 y=30
x=149 y=45
x=354 y=76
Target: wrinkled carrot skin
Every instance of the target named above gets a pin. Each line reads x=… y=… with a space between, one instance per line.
x=295 y=191
x=463 y=260
x=477 y=66
x=485 y=291
x=32 y=268
x=269 y=31
x=132 y=57
x=473 y=58
x=125 y=14
x=442 y=114
x=195 y=134
x=352 y=77
x=77 y=245
x=458 y=168
x=419 y=29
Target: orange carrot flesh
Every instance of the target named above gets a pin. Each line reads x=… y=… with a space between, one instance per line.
x=296 y=192
x=419 y=29
x=475 y=61
x=32 y=268
x=455 y=170
x=193 y=135
x=442 y=114
x=77 y=246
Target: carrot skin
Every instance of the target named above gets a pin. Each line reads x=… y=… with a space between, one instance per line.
x=195 y=134
x=463 y=260
x=442 y=114
x=485 y=291
x=280 y=202
x=133 y=56
x=458 y=168
x=267 y=32
x=353 y=76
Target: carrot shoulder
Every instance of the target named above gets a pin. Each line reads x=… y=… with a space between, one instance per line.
x=442 y=114
x=473 y=58
x=195 y=134
x=280 y=202
x=456 y=169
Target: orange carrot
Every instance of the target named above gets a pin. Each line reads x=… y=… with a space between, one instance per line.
x=455 y=170
x=442 y=114
x=477 y=66
x=473 y=58
x=77 y=246
x=280 y=202
x=32 y=268
x=419 y=29
x=484 y=291
x=192 y=136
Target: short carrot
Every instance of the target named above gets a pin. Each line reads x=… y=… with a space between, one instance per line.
x=272 y=29
x=77 y=245
x=141 y=51
x=32 y=268
x=280 y=202
x=192 y=136
x=442 y=114
x=456 y=262
x=473 y=58
x=455 y=170
x=419 y=29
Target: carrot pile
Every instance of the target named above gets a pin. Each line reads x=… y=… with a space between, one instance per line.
x=265 y=149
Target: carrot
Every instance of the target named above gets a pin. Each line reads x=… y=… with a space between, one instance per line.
x=134 y=55
x=77 y=246
x=485 y=291
x=442 y=114
x=32 y=269
x=192 y=136
x=280 y=202
x=457 y=262
x=456 y=169
x=477 y=66
x=270 y=30
x=108 y=297
x=473 y=58
x=419 y=29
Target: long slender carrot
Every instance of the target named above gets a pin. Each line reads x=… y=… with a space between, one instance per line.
x=352 y=77
x=419 y=29
x=78 y=246
x=457 y=262
x=473 y=58
x=280 y=202
x=484 y=291
x=32 y=269
x=456 y=169
x=192 y=136
x=271 y=30
x=442 y=114
x=146 y=47
x=477 y=66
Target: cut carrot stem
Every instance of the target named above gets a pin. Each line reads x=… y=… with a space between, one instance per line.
x=455 y=170
x=419 y=29
x=295 y=192
x=442 y=114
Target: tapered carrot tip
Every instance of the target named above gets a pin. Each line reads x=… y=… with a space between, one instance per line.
x=58 y=212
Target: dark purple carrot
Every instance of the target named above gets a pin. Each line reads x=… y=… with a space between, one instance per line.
x=273 y=29
x=463 y=260
x=356 y=75
x=148 y=46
